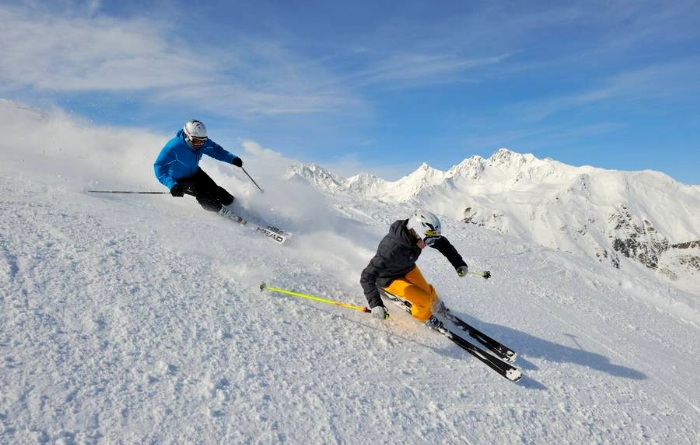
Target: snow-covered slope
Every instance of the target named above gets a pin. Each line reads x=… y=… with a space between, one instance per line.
x=597 y=213
x=139 y=319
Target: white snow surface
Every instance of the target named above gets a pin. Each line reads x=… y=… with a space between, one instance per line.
x=139 y=319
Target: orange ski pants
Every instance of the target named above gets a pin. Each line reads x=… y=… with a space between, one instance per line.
x=415 y=289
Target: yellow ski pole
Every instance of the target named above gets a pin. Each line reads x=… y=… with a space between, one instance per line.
x=264 y=286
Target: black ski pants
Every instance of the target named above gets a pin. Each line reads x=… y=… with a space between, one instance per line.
x=209 y=195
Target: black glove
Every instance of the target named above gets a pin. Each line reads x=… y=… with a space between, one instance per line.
x=177 y=191
x=238 y=162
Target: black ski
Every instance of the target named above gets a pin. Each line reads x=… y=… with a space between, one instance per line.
x=498 y=348
x=505 y=369
x=494 y=346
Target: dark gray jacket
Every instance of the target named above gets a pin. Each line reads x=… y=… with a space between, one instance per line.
x=396 y=256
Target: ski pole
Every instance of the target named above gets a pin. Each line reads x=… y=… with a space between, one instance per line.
x=485 y=274
x=256 y=184
x=264 y=286
x=128 y=192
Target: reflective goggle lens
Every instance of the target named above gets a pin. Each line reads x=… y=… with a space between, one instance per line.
x=198 y=141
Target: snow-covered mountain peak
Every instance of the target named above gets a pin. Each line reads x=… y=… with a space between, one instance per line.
x=591 y=211
x=318 y=176
x=505 y=156
x=426 y=175
x=365 y=182
x=471 y=167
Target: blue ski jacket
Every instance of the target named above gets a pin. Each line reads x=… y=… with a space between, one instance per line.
x=178 y=160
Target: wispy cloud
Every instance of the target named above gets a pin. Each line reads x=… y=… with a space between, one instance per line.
x=676 y=79
x=88 y=54
x=47 y=53
x=405 y=70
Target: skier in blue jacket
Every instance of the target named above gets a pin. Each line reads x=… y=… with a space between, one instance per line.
x=177 y=167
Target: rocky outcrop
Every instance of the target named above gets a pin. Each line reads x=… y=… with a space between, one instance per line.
x=688 y=245
x=636 y=239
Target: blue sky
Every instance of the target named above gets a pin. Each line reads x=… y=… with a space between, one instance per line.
x=378 y=86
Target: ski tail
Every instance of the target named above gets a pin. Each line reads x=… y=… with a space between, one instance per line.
x=403 y=304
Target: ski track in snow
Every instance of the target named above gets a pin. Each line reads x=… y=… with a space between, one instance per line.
x=139 y=320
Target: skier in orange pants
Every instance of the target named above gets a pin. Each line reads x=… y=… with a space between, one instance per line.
x=393 y=268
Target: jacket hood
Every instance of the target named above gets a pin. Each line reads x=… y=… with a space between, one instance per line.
x=181 y=135
x=399 y=232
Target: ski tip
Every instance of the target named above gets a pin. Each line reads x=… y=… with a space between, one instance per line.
x=263 y=286
x=514 y=375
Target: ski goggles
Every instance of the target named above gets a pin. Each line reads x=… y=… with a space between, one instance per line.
x=430 y=240
x=197 y=142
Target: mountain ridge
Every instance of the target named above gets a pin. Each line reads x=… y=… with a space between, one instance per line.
x=604 y=214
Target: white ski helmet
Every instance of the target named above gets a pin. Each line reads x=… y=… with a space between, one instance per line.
x=195 y=133
x=425 y=224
